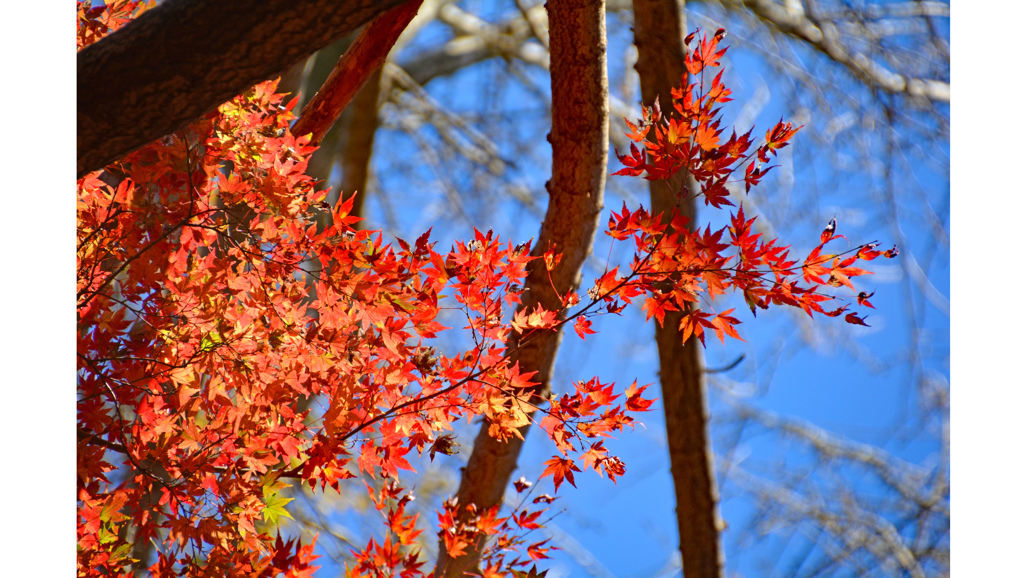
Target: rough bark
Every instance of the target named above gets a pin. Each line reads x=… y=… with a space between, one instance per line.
x=659 y=27
x=183 y=58
x=579 y=140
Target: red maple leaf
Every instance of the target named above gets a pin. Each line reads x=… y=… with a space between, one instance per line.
x=561 y=469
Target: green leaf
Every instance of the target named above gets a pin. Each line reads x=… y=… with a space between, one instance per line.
x=274 y=503
x=275 y=508
x=210 y=341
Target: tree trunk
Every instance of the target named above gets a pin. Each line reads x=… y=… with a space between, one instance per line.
x=579 y=140
x=184 y=58
x=659 y=27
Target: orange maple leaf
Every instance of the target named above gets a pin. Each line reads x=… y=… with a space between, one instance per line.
x=561 y=469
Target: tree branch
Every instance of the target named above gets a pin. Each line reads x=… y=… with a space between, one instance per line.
x=184 y=58
x=823 y=37
x=359 y=62
x=659 y=27
x=579 y=141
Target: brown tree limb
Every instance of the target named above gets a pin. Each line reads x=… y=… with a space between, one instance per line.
x=579 y=140
x=181 y=59
x=358 y=64
x=358 y=127
x=482 y=41
x=659 y=27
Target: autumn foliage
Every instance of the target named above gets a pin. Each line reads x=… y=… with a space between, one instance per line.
x=229 y=344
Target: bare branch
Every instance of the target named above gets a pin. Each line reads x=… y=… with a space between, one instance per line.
x=825 y=37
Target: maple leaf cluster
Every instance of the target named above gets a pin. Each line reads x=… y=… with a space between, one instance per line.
x=237 y=334
x=677 y=267
x=230 y=343
x=95 y=22
x=203 y=328
x=691 y=141
x=505 y=537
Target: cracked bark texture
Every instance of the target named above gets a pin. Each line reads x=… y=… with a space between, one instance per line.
x=184 y=58
x=579 y=141
x=659 y=27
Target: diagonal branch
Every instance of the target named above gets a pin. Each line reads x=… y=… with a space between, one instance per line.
x=354 y=68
